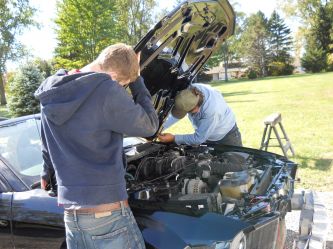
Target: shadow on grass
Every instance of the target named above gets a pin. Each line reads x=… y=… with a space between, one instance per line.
x=230 y=94
x=323 y=164
x=242 y=101
x=236 y=81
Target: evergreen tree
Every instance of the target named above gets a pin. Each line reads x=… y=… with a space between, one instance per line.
x=322 y=27
x=330 y=53
x=319 y=41
x=280 y=39
x=255 y=43
x=44 y=67
x=280 y=43
x=314 y=60
x=21 y=88
x=317 y=19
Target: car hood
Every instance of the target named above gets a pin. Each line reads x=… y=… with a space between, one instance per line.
x=174 y=51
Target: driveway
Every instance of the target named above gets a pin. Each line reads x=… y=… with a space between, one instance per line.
x=292 y=221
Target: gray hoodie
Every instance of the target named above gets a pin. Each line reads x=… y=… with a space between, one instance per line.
x=84 y=117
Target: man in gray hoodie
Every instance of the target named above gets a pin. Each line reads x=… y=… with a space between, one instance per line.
x=84 y=116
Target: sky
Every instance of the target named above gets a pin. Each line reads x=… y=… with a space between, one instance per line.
x=41 y=42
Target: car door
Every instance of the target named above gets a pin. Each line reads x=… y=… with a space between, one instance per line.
x=5 y=207
x=37 y=221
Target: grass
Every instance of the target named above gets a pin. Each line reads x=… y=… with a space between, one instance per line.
x=4 y=112
x=306 y=105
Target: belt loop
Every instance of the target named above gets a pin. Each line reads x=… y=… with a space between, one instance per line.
x=75 y=215
x=122 y=208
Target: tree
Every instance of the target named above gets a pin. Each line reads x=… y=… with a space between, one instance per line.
x=44 y=67
x=319 y=41
x=322 y=27
x=314 y=60
x=15 y=16
x=305 y=10
x=135 y=16
x=280 y=40
x=317 y=18
x=254 y=43
x=86 y=27
x=280 y=46
x=330 y=54
x=21 y=88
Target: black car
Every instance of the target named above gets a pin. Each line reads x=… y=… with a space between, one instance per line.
x=205 y=197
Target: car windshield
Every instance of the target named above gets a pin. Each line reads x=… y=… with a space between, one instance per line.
x=20 y=145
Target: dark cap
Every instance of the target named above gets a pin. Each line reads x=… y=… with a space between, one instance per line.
x=185 y=101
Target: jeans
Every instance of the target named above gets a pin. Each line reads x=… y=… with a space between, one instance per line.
x=233 y=138
x=116 y=231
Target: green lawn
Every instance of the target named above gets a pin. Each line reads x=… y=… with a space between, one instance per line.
x=4 y=112
x=306 y=105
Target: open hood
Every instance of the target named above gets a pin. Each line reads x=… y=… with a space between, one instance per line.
x=174 y=51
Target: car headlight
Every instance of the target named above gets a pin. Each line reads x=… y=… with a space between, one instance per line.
x=239 y=242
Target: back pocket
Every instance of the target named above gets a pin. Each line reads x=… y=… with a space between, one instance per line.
x=116 y=239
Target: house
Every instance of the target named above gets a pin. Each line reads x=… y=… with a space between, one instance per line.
x=235 y=70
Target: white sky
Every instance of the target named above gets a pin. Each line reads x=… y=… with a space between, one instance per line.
x=41 y=42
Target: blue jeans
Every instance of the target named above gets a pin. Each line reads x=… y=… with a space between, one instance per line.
x=116 y=231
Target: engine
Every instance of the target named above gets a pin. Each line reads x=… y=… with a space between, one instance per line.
x=189 y=179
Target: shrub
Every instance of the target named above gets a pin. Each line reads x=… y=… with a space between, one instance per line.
x=203 y=77
x=252 y=74
x=278 y=68
x=330 y=62
x=21 y=88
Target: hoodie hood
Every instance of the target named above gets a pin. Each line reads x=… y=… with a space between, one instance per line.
x=61 y=95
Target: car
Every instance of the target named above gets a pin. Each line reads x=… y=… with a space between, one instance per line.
x=188 y=197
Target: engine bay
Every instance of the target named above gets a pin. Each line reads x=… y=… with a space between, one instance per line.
x=195 y=180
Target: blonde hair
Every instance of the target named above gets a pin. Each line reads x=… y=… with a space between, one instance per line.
x=121 y=59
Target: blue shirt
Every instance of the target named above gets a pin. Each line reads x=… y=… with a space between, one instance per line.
x=213 y=121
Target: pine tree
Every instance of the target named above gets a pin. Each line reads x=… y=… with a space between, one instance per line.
x=280 y=43
x=319 y=41
x=254 y=43
x=280 y=39
x=21 y=100
x=322 y=27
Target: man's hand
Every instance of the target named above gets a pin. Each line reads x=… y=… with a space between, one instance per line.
x=43 y=184
x=166 y=138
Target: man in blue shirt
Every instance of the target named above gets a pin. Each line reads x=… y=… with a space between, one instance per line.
x=84 y=114
x=209 y=114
